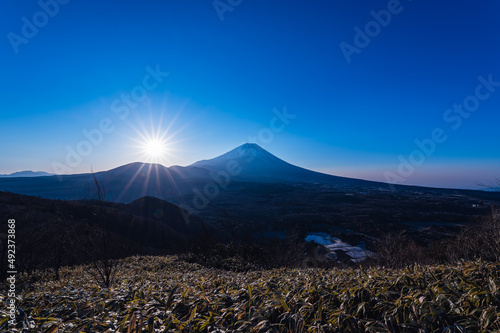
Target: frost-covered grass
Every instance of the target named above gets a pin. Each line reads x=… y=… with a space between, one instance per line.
x=164 y=294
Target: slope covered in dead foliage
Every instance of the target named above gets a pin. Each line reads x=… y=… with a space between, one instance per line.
x=165 y=294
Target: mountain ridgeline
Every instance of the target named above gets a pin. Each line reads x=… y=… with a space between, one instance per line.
x=28 y=173
x=126 y=183
x=250 y=193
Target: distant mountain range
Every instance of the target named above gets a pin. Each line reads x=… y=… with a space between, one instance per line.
x=248 y=162
x=249 y=192
x=28 y=173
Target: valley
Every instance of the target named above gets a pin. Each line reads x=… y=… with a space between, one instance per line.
x=250 y=195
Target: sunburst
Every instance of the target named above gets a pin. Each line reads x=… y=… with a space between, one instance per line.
x=155 y=149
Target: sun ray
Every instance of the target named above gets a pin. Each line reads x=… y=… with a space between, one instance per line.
x=158 y=136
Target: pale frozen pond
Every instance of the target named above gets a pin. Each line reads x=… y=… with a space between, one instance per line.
x=357 y=253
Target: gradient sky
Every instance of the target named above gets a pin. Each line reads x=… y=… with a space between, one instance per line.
x=357 y=119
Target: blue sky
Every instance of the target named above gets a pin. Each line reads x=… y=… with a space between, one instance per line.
x=231 y=63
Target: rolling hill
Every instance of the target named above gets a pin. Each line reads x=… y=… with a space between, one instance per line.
x=252 y=193
x=126 y=183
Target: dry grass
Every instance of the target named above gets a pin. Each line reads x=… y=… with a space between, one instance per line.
x=164 y=294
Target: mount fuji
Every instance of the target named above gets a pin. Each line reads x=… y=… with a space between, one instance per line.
x=249 y=153
x=250 y=162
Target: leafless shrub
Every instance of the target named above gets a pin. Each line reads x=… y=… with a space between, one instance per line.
x=396 y=250
x=104 y=269
x=478 y=241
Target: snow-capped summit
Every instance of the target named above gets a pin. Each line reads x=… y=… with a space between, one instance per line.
x=248 y=153
x=256 y=164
